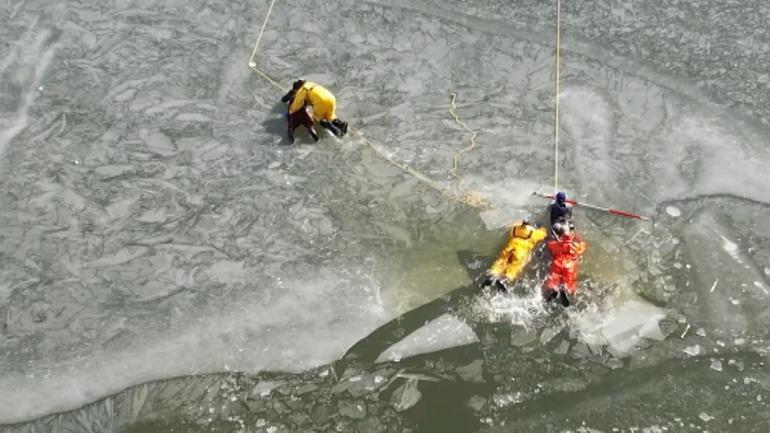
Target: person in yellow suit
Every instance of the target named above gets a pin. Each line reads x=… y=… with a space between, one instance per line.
x=523 y=238
x=306 y=94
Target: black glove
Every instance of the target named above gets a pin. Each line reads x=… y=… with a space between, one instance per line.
x=288 y=97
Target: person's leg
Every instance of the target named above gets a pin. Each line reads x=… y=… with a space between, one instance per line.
x=325 y=111
x=550 y=285
x=328 y=125
x=294 y=120
x=307 y=122
x=341 y=125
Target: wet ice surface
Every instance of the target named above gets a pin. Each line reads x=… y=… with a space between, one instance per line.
x=154 y=224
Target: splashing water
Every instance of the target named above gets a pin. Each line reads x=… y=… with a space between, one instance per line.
x=521 y=308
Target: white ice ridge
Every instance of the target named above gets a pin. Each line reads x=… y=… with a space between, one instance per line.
x=444 y=332
x=304 y=325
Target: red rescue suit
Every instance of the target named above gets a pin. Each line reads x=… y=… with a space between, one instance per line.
x=565 y=252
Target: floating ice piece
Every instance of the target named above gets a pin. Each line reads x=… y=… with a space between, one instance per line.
x=406 y=395
x=623 y=328
x=265 y=388
x=477 y=403
x=441 y=333
x=731 y=248
x=352 y=409
x=673 y=211
x=472 y=372
x=761 y=286
x=692 y=350
x=716 y=365
x=705 y=417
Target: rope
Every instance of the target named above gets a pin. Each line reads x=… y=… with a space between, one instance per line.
x=466 y=199
x=556 y=121
x=471 y=196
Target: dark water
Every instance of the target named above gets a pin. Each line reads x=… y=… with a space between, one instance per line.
x=170 y=263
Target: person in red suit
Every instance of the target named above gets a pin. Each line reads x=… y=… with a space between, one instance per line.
x=566 y=249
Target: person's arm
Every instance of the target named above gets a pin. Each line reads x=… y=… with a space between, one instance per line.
x=287 y=97
x=299 y=100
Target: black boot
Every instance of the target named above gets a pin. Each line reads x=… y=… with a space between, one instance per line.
x=563 y=298
x=313 y=134
x=326 y=124
x=341 y=125
x=290 y=134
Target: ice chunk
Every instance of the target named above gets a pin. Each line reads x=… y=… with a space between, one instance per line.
x=705 y=417
x=716 y=365
x=352 y=409
x=731 y=248
x=441 y=333
x=624 y=327
x=406 y=395
x=692 y=350
x=651 y=330
x=265 y=388
x=477 y=403
x=673 y=211
x=548 y=333
x=472 y=372
x=158 y=142
x=563 y=348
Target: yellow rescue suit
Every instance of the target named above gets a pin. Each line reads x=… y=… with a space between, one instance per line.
x=512 y=259
x=317 y=96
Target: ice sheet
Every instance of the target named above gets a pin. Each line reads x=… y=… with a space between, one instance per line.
x=443 y=332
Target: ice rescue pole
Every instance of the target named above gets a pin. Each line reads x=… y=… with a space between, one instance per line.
x=609 y=210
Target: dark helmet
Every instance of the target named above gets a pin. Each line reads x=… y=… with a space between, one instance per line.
x=297 y=84
x=525 y=221
x=561 y=197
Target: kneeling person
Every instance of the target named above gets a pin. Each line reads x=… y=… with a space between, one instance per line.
x=306 y=94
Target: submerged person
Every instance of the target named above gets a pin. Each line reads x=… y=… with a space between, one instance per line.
x=523 y=238
x=566 y=249
x=305 y=95
x=560 y=210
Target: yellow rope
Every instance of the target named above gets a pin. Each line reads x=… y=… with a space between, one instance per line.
x=466 y=199
x=468 y=195
x=556 y=121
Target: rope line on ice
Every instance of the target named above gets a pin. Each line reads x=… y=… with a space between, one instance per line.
x=466 y=197
x=467 y=194
x=556 y=97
